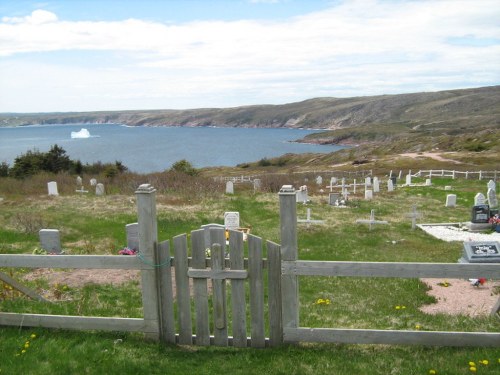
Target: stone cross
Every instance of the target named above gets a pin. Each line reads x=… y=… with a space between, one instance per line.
x=372 y=220
x=414 y=215
x=308 y=219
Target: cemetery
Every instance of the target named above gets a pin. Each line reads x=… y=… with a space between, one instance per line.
x=377 y=261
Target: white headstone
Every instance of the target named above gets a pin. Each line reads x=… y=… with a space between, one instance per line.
x=52 y=187
x=79 y=181
x=447 y=187
x=368 y=181
x=301 y=194
x=451 y=200
x=50 y=240
x=408 y=179
x=99 y=189
x=93 y=182
x=492 y=198
x=376 y=185
x=319 y=180
x=231 y=220
x=333 y=181
x=229 y=187
x=368 y=194
x=428 y=182
x=132 y=231
x=492 y=185
x=390 y=185
x=400 y=175
x=479 y=199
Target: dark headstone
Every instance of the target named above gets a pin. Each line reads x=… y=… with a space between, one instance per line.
x=480 y=214
x=481 y=252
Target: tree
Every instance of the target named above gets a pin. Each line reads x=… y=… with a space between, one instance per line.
x=4 y=169
x=183 y=166
x=56 y=160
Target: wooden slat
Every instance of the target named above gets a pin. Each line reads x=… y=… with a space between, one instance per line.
x=256 y=291
x=238 y=299
x=200 y=288
x=218 y=241
x=22 y=288
x=78 y=322
x=389 y=337
x=274 y=294
x=182 y=289
x=391 y=269
x=166 y=294
x=217 y=275
x=72 y=261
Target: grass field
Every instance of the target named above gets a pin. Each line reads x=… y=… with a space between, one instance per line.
x=95 y=225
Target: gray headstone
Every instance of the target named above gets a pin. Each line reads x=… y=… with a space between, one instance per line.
x=376 y=185
x=132 y=231
x=93 y=182
x=368 y=194
x=319 y=180
x=492 y=198
x=52 y=187
x=50 y=240
x=479 y=199
x=481 y=252
x=333 y=199
x=257 y=184
x=390 y=185
x=480 y=214
x=451 y=200
x=492 y=185
x=99 y=189
x=231 y=220
x=229 y=187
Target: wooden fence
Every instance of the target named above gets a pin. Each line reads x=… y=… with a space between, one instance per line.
x=192 y=301
x=477 y=175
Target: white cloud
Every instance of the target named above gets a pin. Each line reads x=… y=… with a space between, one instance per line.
x=353 y=48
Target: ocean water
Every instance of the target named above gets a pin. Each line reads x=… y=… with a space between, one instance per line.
x=148 y=149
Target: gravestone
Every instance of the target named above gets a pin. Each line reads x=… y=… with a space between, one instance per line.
x=79 y=182
x=257 y=184
x=231 y=220
x=390 y=185
x=132 y=231
x=428 y=182
x=451 y=200
x=371 y=221
x=308 y=219
x=400 y=174
x=93 y=182
x=408 y=179
x=368 y=181
x=492 y=198
x=414 y=215
x=479 y=199
x=368 y=194
x=376 y=185
x=333 y=181
x=99 y=189
x=319 y=180
x=52 y=187
x=481 y=252
x=229 y=187
x=50 y=240
x=491 y=185
x=447 y=187
x=301 y=195
x=333 y=199
x=480 y=214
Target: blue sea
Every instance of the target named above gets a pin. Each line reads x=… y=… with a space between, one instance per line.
x=154 y=149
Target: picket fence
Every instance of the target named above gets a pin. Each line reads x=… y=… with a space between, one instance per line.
x=224 y=325
x=478 y=175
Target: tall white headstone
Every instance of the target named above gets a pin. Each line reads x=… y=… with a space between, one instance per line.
x=451 y=200
x=319 y=180
x=376 y=185
x=492 y=198
x=132 y=231
x=368 y=194
x=492 y=185
x=52 y=187
x=257 y=184
x=408 y=179
x=99 y=189
x=229 y=187
x=368 y=181
x=79 y=182
x=390 y=185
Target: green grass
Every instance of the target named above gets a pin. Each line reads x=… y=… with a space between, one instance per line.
x=91 y=225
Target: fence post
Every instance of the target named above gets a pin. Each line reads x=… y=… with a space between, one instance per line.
x=148 y=233
x=480 y=175
x=289 y=251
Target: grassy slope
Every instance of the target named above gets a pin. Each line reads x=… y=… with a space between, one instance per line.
x=358 y=303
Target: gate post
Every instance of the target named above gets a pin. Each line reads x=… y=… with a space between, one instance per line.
x=148 y=239
x=289 y=251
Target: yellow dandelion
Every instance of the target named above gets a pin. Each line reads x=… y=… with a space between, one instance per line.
x=484 y=362
x=27 y=345
x=418 y=326
x=432 y=372
x=398 y=307
x=32 y=336
x=23 y=351
x=473 y=368
x=403 y=307
x=471 y=363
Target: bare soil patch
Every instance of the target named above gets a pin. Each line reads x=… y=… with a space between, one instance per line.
x=461 y=298
x=433 y=155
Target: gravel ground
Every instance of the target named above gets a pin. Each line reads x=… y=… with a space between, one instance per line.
x=454 y=233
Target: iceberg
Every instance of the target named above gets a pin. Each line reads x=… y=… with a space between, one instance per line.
x=84 y=133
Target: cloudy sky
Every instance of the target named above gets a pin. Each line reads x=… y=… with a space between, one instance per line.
x=85 y=55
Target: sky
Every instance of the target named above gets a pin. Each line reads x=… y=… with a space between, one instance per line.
x=93 y=55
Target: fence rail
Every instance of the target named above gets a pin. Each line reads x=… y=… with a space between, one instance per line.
x=478 y=175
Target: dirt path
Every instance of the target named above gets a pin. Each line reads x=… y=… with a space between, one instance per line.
x=433 y=155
